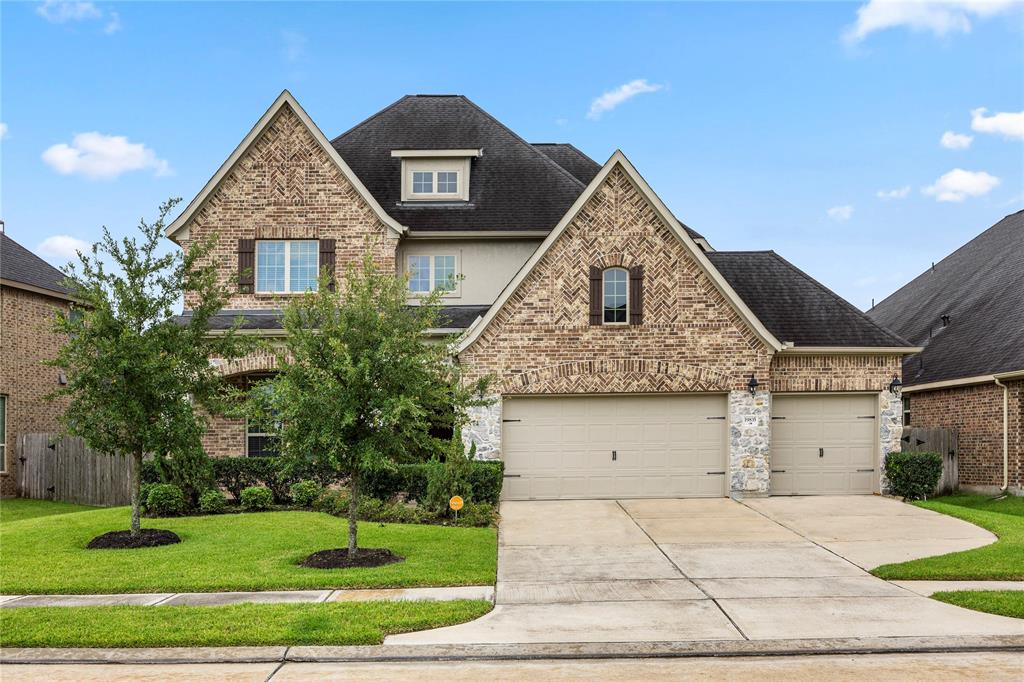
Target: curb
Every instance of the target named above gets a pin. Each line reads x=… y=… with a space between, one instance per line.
x=519 y=652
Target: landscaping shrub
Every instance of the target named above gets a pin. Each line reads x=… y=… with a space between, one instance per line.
x=334 y=502
x=305 y=493
x=276 y=473
x=150 y=473
x=144 y=490
x=212 y=502
x=256 y=498
x=913 y=475
x=165 y=499
x=485 y=478
x=476 y=514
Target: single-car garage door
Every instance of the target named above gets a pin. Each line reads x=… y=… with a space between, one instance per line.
x=620 y=446
x=823 y=444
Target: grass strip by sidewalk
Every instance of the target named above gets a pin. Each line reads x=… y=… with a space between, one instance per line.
x=233 y=552
x=1002 y=560
x=237 y=625
x=1000 y=602
x=19 y=509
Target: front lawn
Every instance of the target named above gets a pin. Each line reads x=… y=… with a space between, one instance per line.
x=238 y=625
x=1002 y=560
x=19 y=508
x=232 y=552
x=1001 y=602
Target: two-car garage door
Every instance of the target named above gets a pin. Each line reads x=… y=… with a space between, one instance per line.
x=592 y=447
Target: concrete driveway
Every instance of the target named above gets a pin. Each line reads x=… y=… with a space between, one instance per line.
x=715 y=569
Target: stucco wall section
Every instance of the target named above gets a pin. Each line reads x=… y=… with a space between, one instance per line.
x=691 y=338
x=27 y=339
x=285 y=186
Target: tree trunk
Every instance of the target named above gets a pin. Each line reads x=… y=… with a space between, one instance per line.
x=136 y=479
x=353 y=507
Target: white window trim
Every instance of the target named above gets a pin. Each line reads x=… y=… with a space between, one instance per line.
x=459 y=166
x=287 y=266
x=453 y=293
x=626 y=321
x=3 y=443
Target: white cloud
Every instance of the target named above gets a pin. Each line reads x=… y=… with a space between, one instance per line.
x=294 y=46
x=113 y=23
x=898 y=193
x=840 y=214
x=624 y=92
x=62 y=247
x=98 y=156
x=941 y=17
x=951 y=140
x=958 y=184
x=1005 y=123
x=3 y=130
x=59 y=11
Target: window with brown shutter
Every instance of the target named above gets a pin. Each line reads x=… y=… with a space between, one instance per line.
x=595 y=295
x=636 y=294
x=246 y=264
x=327 y=259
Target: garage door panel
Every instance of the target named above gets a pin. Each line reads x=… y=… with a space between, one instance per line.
x=823 y=444
x=664 y=445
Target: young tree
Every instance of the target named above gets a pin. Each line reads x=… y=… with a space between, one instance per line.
x=132 y=371
x=359 y=385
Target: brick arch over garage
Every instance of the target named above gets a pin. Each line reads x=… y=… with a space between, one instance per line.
x=250 y=364
x=618 y=375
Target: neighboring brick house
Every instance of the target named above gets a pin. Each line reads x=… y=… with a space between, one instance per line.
x=967 y=311
x=631 y=358
x=31 y=291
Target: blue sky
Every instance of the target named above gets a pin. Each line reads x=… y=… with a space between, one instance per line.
x=763 y=126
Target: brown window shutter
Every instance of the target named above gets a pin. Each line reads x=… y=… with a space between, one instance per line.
x=636 y=294
x=596 y=307
x=246 y=265
x=327 y=259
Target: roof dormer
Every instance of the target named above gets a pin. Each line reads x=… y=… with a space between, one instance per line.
x=435 y=175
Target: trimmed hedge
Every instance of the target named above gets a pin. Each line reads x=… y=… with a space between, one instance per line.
x=165 y=499
x=256 y=498
x=913 y=475
x=485 y=478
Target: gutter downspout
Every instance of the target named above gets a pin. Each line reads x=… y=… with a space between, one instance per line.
x=1006 y=443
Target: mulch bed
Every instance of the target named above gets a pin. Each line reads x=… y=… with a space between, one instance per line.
x=122 y=539
x=339 y=558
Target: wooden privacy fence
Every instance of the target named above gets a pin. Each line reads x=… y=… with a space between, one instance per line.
x=55 y=468
x=942 y=441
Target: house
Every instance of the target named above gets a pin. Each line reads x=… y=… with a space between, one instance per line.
x=967 y=312
x=31 y=291
x=632 y=358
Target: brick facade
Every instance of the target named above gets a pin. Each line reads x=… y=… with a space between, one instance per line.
x=976 y=412
x=285 y=186
x=803 y=373
x=26 y=340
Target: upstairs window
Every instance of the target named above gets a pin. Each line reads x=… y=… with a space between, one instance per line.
x=427 y=273
x=422 y=182
x=435 y=175
x=614 y=287
x=287 y=266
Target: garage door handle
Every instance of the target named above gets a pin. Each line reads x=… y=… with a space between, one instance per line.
x=864 y=471
x=513 y=476
x=778 y=471
x=867 y=416
x=821 y=452
x=716 y=473
x=722 y=418
x=511 y=420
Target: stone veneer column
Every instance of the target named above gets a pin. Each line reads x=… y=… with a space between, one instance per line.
x=749 y=443
x=890 y=430
x=484 y=429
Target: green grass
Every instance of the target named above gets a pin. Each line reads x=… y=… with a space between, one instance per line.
x=259 y=551
x=19 y=508
x=1002 y=560
x=1001 y=602
x=238 y=625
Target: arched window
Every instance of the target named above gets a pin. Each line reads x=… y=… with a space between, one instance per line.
x=615 y=296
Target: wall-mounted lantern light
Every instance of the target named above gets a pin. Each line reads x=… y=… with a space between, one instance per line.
x=894 y=385
x=752 y=384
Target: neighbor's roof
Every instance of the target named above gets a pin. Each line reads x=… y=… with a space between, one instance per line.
x=18 y=265
x=795 y=307
x=981 y=287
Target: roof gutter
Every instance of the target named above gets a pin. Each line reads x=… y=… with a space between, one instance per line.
x=790 y=349
x=1006 y=423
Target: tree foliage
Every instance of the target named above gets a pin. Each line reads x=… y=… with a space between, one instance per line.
x=133 y=372
x=359 y=385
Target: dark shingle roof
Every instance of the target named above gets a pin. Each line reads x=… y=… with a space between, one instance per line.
x=582 y=167
x=451 y=317
x=18 y=264
x=981 y=287
x=513 y=186
x=795 y=307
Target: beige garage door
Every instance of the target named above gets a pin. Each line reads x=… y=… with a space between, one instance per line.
x=823 y=444
x=586 y=447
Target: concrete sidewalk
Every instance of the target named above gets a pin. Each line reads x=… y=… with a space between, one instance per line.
x=484 y=592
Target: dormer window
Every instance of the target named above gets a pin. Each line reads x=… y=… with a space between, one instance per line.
x=435 y=174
